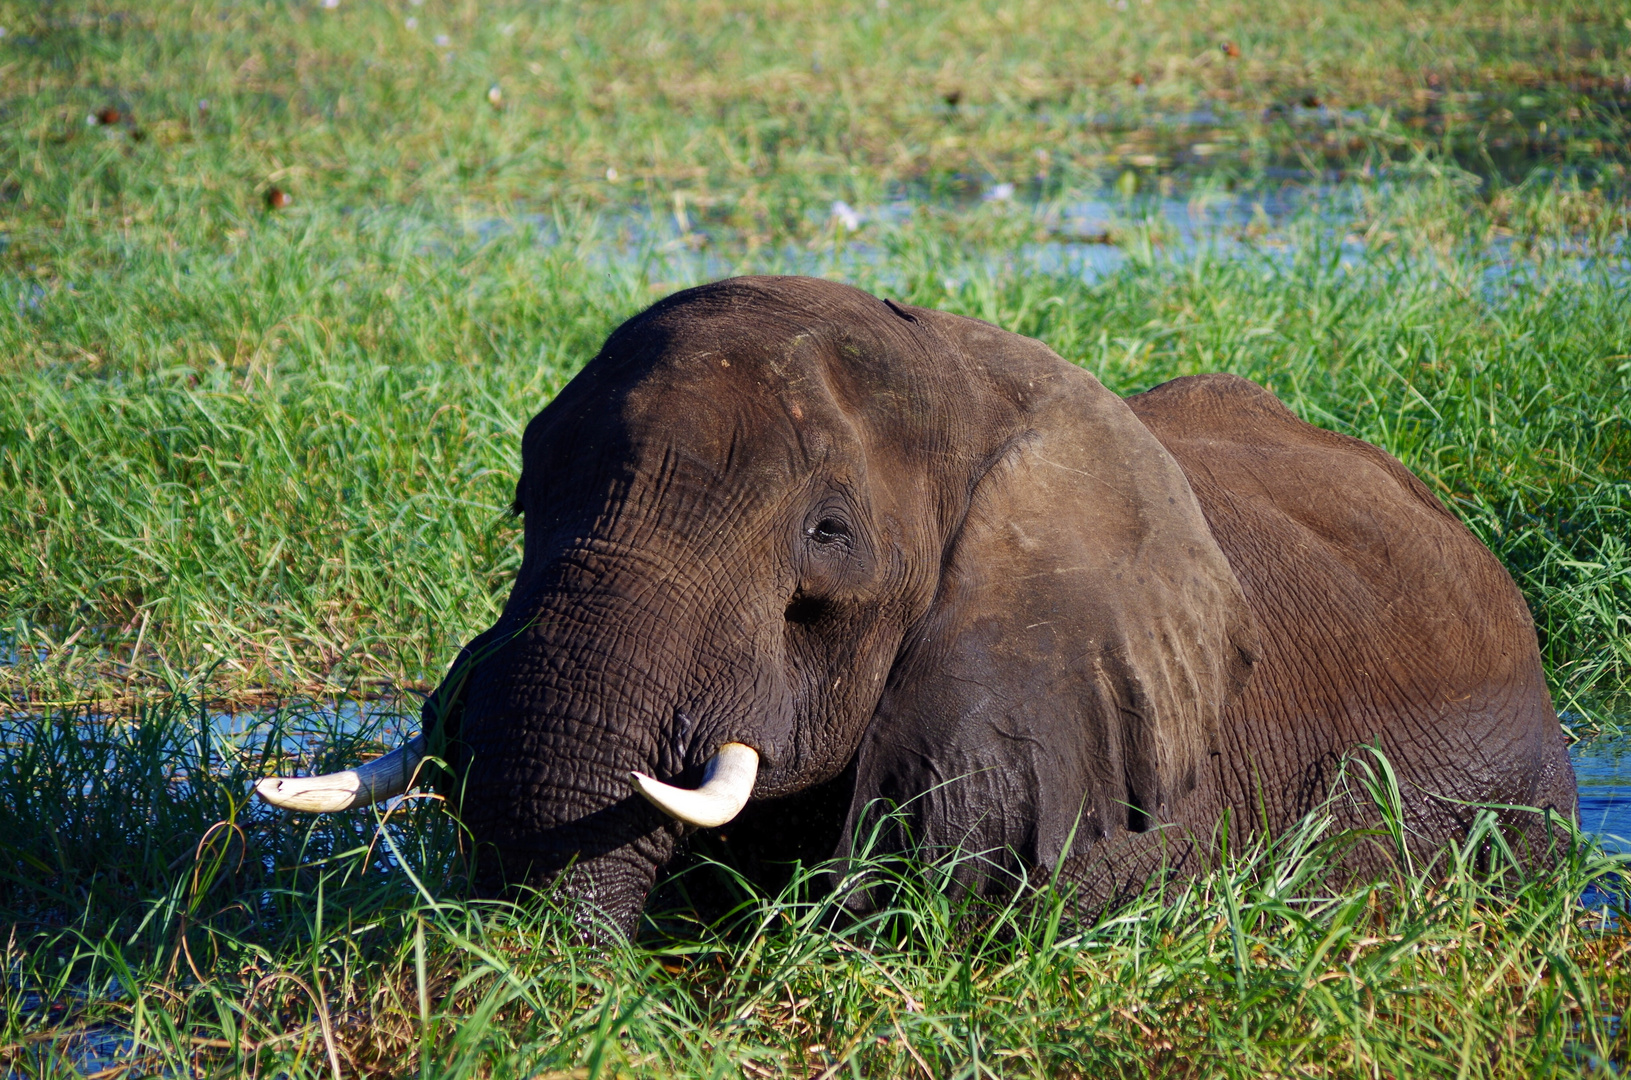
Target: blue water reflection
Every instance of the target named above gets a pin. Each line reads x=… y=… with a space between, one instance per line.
x=1603 y=769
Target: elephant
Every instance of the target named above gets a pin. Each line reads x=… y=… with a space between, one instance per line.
x=792 y=551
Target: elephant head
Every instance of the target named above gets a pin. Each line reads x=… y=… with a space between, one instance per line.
x=779 y=530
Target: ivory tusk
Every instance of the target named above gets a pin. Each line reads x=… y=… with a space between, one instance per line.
x=370 y=783
x=726 y=784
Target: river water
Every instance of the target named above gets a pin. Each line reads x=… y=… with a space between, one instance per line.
x=1602 y=764
x=1603 y=768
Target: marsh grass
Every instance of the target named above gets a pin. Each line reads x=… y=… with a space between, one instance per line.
x=210 y=936
x=289 y=467
x=753 y=115
x=303 y=493
x=274 y=445
x=258 y=459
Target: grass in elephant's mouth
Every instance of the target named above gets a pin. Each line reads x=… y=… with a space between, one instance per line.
x=203 y=935
x=257 y=450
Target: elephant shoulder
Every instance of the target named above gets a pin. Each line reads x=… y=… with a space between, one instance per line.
x=1228 y=428
x=1339 y=548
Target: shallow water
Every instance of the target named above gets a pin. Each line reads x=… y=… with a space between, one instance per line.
x=1602 y=765
x=1088 y=234
x=1603 y=769
x=85 y=1052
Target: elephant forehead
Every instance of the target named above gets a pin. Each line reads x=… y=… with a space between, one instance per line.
x=737 y=426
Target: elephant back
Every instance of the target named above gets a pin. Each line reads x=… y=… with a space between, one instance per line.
x=1383 y=620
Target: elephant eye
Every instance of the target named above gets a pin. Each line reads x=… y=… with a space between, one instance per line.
x=805 y=610
x=827 y=531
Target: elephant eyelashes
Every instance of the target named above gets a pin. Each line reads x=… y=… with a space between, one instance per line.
x=828 y=531
x=831 y=561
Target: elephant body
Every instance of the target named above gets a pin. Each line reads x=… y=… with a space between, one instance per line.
x=911 y=559
x=1332 y=538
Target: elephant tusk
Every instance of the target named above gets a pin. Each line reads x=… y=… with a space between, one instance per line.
x=726 y=784
x=377 y=780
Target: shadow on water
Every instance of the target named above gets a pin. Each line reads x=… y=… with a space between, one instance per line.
x=85 y=1052
x=1498 y=132
x=143 y=819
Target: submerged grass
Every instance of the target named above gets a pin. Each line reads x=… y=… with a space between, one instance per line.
x=260 y=456
x=227 y=939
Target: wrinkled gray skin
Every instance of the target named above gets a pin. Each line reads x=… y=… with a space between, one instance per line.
x=910 y=556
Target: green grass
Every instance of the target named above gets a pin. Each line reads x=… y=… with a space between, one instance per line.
x=753 y=113
x=224 y=939
x=291 y=462
x=260 y=459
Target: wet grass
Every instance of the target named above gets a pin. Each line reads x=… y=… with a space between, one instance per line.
x=177 y=930
x=302 y=492
x=751 y=115
x=289 y=466
x=259 y=456
x=272 y=443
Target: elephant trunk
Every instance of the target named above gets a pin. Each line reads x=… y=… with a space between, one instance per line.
x=606 y=673
x=604 y=719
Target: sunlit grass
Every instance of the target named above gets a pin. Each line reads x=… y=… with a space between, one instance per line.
x=261 y=456
x=148 y=893
x=275 y=444
x=291 y=466
x=753 y=116
x=218 y=937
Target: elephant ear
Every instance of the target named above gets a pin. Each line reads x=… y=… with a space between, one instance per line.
x=1067 y=683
